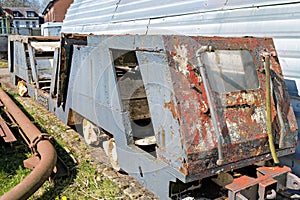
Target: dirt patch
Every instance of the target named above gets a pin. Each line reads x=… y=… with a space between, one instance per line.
x=6 y=80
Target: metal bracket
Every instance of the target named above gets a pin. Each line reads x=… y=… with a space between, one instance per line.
x=43 y=136
x=269 y=181
x=208 y=92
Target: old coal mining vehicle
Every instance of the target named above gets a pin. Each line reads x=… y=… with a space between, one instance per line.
x=169 y=107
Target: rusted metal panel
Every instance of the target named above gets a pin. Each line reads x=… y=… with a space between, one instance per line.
x=241 y=113
x=243 y=184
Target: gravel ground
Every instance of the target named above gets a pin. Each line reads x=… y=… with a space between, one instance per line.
x=5 y=79
x=129 y=186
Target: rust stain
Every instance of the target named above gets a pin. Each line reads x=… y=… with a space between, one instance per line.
x=171 y=106
x=163 y=138
x=241 y=114
x=158 y=135
x=184 y=168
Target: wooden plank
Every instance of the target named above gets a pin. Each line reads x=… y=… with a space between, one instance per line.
x=5 y=132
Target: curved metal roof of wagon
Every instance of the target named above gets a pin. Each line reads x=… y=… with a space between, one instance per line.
x=269 y=18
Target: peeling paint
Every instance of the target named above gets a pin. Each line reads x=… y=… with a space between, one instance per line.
x=241 y=113
x=181 y=58
x=171 y=107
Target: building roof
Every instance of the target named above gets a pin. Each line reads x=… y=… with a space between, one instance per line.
x=23 y=10
x=49 y=6
x=5 y=13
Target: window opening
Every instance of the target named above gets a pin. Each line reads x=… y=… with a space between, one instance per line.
x=230 y=70
x=134 y=99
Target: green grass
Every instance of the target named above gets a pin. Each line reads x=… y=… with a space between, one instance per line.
x=85 y=180
x=85 y=183
x=3 y=64
x=11 y=166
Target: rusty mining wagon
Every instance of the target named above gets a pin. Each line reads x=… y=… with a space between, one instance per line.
x=168 y=109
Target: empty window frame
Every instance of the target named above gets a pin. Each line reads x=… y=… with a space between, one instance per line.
x=134 y=99
x=230 y=70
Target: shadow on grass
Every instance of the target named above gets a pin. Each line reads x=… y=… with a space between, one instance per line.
x=65 y=176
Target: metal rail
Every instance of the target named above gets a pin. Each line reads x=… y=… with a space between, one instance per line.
x=39 y=144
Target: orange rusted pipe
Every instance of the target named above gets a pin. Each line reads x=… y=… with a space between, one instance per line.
x=43 y=147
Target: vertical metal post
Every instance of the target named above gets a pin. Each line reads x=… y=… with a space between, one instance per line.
x=7 y=26
x=268 y=107
x=212 y=110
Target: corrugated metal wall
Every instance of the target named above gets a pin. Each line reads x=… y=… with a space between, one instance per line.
x=269 y=18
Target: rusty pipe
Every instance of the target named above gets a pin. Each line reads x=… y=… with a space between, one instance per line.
x=43 y=148
x=210 y=103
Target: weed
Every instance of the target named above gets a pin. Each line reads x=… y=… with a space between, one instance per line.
x=3 y=64
x=11 y=165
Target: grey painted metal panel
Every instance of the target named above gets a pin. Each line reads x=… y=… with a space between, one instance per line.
x=93 y=94
x=159 y=88
x=21 y=67
x=51 y=28
x=95 y=86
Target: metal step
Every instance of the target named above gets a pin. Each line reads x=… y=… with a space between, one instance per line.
x=44 y=81
x=46 y=88
x=146 y=141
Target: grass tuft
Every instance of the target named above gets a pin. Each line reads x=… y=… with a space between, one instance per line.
x=3 y=64
x=11 y=166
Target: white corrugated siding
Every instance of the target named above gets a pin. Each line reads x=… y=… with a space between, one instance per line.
x=269 y=18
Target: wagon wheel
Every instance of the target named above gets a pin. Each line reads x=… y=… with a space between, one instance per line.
x=22 y=88
x=94 y=136
x=110 y=149
x=90 y=133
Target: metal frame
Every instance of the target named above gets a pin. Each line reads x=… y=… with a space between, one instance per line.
x=84 y=82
